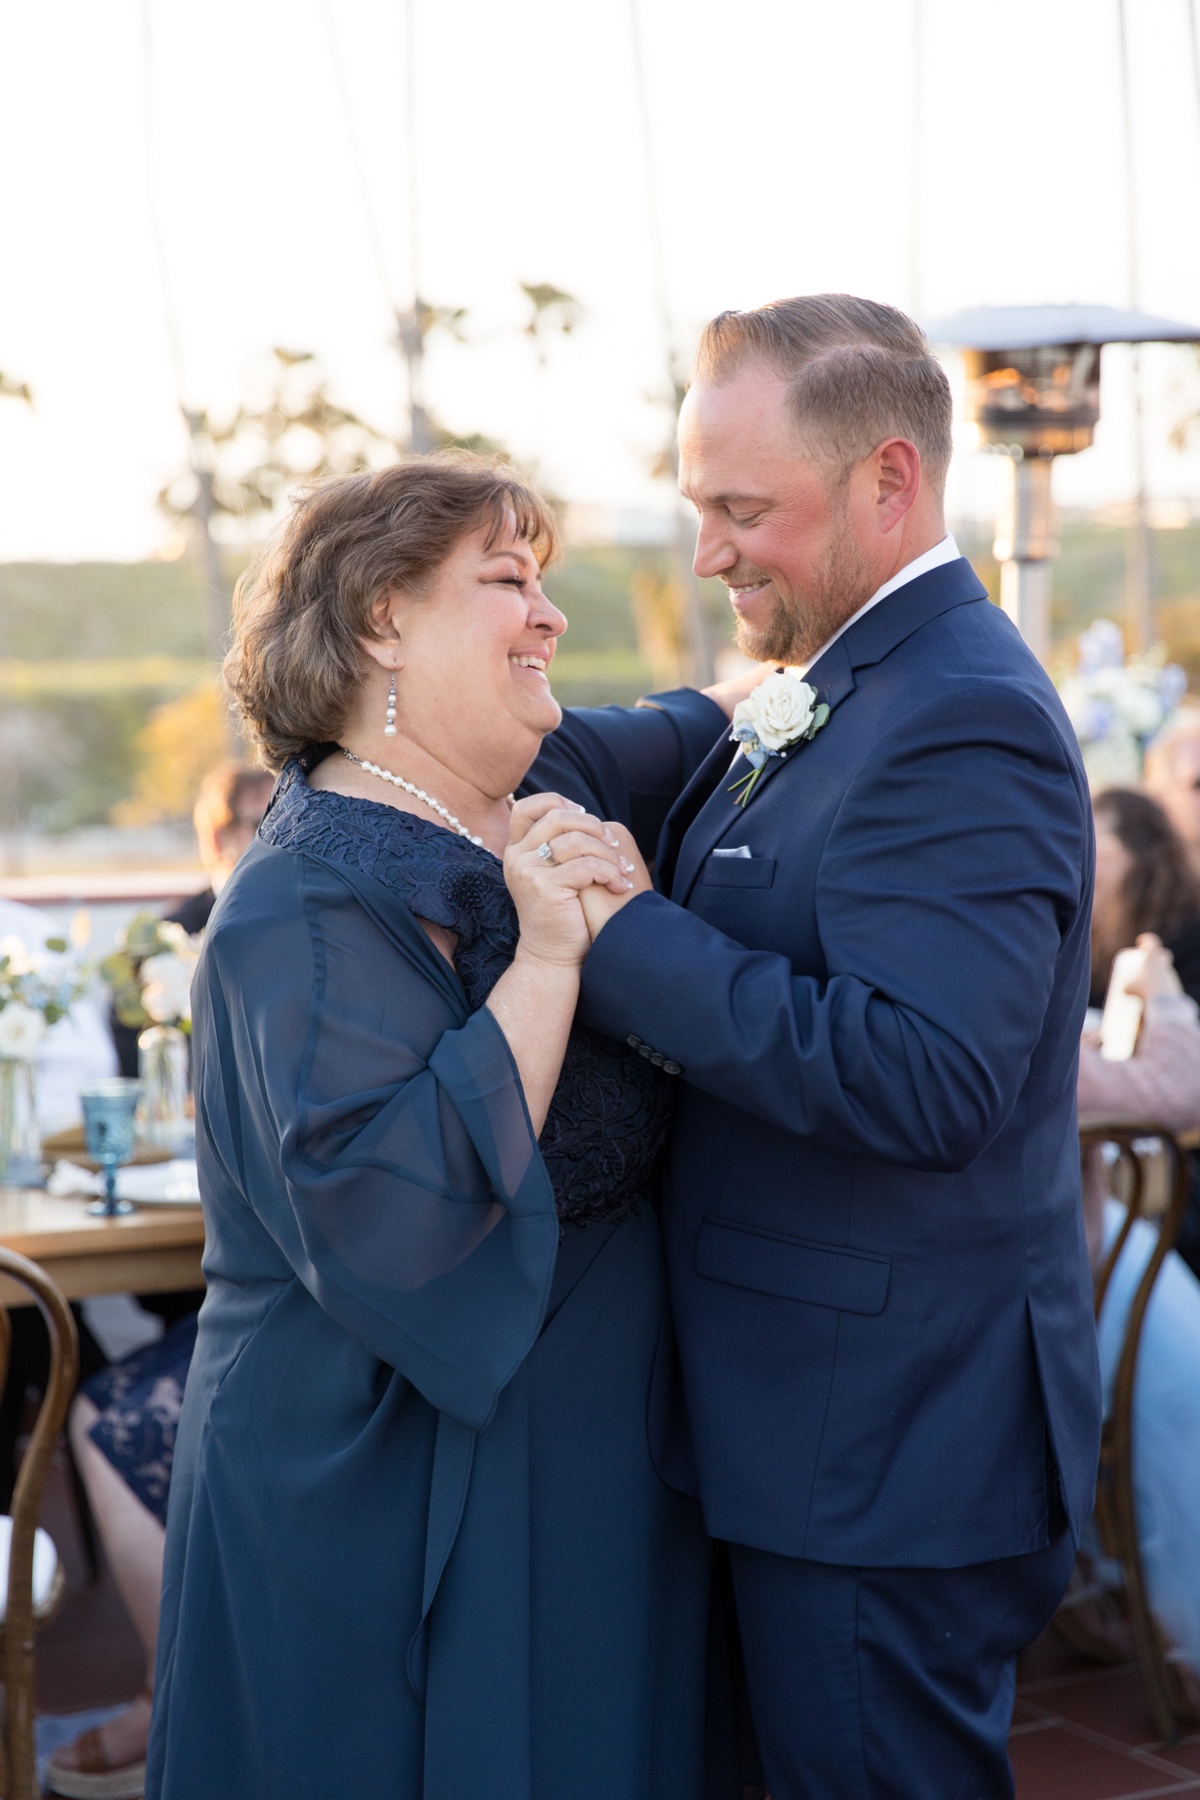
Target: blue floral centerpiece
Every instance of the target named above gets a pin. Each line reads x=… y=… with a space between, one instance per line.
x=1118 y=703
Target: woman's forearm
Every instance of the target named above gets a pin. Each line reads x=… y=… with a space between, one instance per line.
x=534 y=1005
x=1159 y=1085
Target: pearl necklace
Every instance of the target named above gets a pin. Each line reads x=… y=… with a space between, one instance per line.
x=417 y=793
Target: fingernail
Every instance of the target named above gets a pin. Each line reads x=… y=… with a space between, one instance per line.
x=610 y=839
x=627 y=865
x=629 y=884
x=575 y=806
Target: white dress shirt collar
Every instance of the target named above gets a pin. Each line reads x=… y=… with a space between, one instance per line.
x=946 y=551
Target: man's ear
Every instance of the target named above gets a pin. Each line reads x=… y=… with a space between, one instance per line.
x=897 y=469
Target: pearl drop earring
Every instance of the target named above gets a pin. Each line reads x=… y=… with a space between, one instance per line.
x=389 y=729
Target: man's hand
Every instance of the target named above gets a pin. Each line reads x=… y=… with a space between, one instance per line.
x=727 y=694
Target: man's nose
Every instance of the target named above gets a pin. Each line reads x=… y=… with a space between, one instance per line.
x=714 y=552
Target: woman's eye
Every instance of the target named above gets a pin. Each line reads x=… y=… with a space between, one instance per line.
x=751 y=519
x=517 y=581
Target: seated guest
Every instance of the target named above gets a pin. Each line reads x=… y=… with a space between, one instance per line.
x=1172 y=776
x=1146 y=883
x=122 y=1428
x=1160 y=1083
x=228 y=811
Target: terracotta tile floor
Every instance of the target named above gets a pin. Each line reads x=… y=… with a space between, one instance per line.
x=1079 y=1732
x=1085 y=1733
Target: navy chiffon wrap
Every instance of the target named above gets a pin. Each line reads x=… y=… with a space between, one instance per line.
x=416 y=1546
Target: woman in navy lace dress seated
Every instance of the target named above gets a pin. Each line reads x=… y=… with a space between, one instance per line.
x=415 y=1543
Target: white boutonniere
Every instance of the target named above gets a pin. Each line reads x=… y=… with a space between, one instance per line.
x=781 y=712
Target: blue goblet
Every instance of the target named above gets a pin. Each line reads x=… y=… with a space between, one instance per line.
x=108 y=1114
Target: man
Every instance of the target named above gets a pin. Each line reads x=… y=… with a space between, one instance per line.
x=871 y=979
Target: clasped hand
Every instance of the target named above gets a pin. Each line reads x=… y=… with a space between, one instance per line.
x=566 y=893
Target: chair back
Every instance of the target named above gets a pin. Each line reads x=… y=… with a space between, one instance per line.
x=1151 y=1176
x=20 y=1771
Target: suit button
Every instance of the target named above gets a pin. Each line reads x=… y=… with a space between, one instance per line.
x=672 y=1068
x=635 y=1043
x=657 y=1059
x=645 y=1050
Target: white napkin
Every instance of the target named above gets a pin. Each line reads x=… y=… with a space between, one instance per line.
x=143 y=1181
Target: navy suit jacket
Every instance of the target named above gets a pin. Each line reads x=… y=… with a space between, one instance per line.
x=879 y=1281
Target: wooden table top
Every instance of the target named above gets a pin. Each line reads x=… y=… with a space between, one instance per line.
x=154 y=1249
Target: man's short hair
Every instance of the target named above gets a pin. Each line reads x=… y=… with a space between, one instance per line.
x=859 y=373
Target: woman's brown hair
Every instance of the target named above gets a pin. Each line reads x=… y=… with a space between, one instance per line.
x=1161 y=891
x=301 y=611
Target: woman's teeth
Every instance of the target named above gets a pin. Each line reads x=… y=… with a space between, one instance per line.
x=529 y=662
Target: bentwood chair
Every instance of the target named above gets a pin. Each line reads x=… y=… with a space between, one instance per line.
x=1150 y=1177
x=32 y=1578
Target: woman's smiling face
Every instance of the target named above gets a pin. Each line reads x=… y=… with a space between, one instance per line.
x=473 y=658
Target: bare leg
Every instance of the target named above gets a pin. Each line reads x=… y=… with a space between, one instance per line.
x=132 y=1537
x=133 y=1543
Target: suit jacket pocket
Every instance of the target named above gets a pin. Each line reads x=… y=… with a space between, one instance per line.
x=793 y=1269
x=739 y=871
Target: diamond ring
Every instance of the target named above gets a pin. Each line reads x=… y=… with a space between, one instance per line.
x=545 y=852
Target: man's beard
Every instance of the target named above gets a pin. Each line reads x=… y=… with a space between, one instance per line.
x=801 y=624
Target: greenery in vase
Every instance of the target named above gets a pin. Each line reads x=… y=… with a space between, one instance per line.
x=150 y=974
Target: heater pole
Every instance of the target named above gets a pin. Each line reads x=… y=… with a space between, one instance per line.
x=1024 y=548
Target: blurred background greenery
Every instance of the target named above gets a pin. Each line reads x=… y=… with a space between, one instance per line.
x=109 y=712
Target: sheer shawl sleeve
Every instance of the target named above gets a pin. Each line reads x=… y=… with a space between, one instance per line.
x=376 y=1128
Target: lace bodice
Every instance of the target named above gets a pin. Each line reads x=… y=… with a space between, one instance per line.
x=608 y=1121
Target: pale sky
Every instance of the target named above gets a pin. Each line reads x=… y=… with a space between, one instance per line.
x=782 y=133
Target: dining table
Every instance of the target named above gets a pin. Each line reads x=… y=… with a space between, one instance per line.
x=152 y=1250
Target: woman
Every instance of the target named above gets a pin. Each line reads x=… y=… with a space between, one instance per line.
x=415 y=1544
x=1160 y=1083
x=1145 y=882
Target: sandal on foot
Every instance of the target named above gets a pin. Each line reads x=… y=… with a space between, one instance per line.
x=91 y=1775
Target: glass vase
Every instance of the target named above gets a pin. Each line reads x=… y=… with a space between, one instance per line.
x=20 y=1139
x=163 y=1070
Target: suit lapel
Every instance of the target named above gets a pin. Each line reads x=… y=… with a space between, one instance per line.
x=714 y=809
x=704 y=782
x=706 y=810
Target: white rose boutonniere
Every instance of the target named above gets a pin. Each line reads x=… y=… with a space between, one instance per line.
x=782 y=711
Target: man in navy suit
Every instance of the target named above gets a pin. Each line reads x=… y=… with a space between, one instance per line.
x=871 y=981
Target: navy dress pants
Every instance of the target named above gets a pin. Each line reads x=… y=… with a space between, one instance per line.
x=889 y=1684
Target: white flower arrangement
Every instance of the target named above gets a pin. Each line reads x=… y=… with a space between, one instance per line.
x=37 y=989
x=1117 y=704
x=150 y=973
x=782 y=711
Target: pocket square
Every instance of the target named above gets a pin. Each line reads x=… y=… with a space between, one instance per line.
x=739 y=850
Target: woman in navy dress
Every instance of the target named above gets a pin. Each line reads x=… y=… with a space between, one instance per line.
x=416 y=1548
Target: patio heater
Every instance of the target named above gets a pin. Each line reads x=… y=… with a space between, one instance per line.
x=1033 y=393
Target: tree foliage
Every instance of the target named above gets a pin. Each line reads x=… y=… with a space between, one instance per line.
x=177 y=746
x=288 y=433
